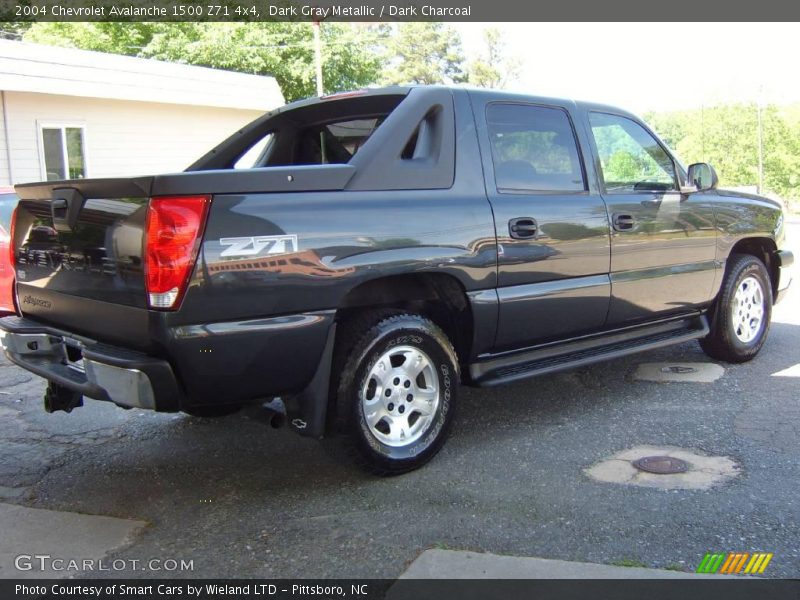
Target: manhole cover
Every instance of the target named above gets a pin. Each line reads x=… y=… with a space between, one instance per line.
x=678 y=369
x=661 y=465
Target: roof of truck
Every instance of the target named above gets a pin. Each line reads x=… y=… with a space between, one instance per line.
x=486 y=93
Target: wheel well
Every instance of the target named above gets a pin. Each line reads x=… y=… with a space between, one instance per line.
x=763 y=249
x=437 y=296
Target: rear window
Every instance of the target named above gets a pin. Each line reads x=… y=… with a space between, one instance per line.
x=320 y=134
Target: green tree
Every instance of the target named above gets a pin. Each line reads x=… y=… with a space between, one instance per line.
x=726 y=136
x=117 y=38
x=424 y=53
x=352 y=54
x=492 y=69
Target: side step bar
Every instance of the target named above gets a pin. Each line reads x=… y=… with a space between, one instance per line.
x=584 y=351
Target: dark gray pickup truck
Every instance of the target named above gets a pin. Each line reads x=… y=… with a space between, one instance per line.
x=349 y=261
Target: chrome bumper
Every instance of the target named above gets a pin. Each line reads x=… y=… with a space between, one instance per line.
x=92 y=369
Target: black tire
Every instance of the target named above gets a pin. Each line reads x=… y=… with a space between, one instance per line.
x=212 y=411
x=728 y=338
x=395 y=338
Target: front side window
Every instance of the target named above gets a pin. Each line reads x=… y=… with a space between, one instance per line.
x=63 y=152
x=533 y=149
x=631 y=159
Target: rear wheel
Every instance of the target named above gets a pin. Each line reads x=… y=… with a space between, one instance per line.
x=395 y=384
x=742 y=313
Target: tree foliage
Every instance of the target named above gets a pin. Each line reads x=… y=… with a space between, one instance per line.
x=492 y=68
x=424 y=53
x=726 y=136
x=352 y=54
x=117 y=38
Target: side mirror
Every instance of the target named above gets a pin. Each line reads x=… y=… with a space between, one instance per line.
x=703 y=177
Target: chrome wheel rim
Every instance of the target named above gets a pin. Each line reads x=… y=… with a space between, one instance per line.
x=747 y=312
x=400 y=396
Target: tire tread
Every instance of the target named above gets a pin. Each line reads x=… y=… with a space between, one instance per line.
x=356 y=334
x=720 y=343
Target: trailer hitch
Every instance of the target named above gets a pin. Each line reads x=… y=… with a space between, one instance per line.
x=57 y=397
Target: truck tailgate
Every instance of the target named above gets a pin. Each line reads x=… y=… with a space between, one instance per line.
x=79 y=255
x=80 y=245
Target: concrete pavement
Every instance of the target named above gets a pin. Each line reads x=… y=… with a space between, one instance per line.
x=452 y=564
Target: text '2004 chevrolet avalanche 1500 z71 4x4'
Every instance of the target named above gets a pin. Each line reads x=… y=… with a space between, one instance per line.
x=351 y=260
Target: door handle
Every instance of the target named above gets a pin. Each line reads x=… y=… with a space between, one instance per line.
x=523 y=228
x=623 y=222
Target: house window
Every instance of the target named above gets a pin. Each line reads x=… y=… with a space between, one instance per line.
x=63 y=152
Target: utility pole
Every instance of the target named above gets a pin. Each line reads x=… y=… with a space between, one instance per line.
x=318 y=62
x=318 y=56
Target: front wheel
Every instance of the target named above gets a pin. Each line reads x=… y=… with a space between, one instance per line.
x=742 y=313
x=396 y=385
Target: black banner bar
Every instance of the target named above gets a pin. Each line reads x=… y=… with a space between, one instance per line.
x=399 y=10
x=403 y=589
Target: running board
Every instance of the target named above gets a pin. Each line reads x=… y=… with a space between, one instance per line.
x=585 y=351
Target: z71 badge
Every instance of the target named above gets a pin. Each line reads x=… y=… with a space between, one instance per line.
x=259 y=245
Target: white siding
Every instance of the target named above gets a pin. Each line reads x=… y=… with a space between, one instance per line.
x=122 y=137
x=28 y=67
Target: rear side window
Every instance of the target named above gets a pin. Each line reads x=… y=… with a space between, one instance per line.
x=533 y=149
x=327 y=133
x=324 y=144
x=256 y=155
x=334 y=143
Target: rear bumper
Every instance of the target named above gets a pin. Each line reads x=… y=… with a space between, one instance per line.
x=785 y=259
x=216 y=363
x=108 y=373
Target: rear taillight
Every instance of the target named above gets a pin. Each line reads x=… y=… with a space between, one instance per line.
x=12 y=227
x=172 y=235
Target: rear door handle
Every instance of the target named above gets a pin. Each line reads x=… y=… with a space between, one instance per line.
x=522 y=228
x=623 y=222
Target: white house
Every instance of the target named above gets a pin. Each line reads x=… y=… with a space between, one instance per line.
x=70 y=113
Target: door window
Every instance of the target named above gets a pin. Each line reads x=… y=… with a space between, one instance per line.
x=631 y=159
x=533 y=149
